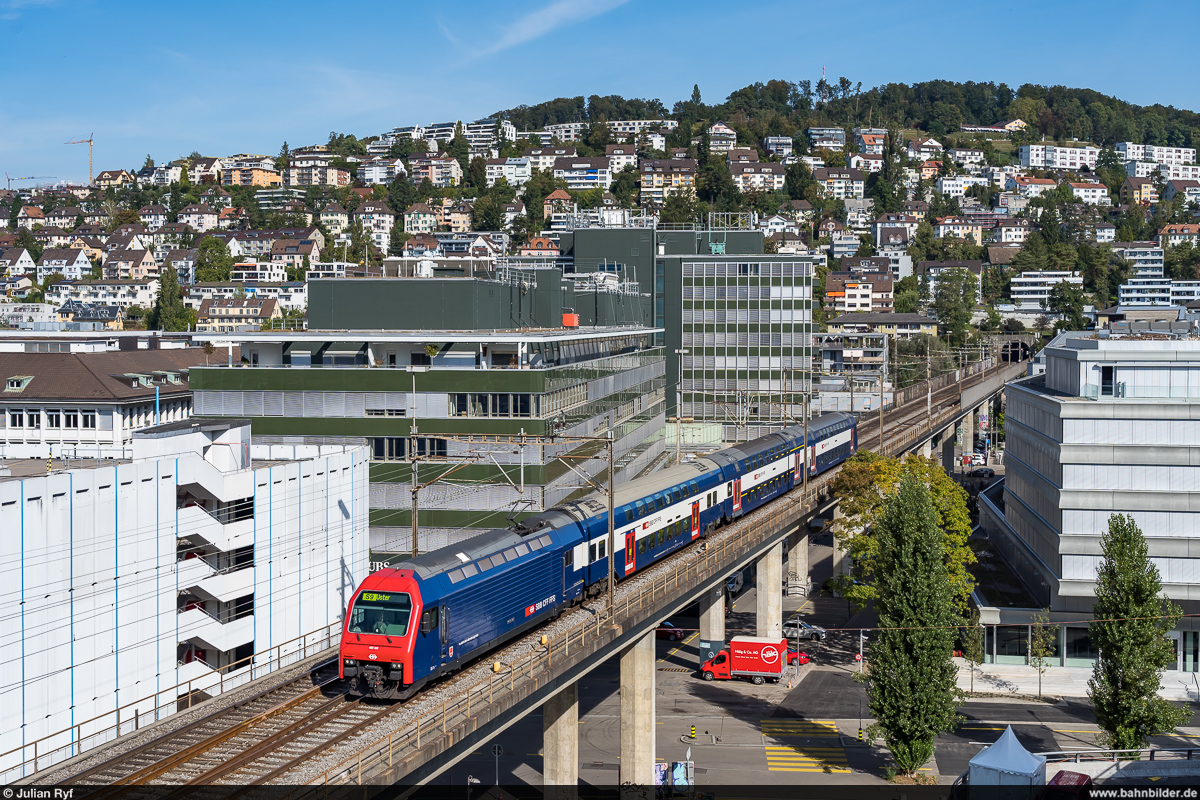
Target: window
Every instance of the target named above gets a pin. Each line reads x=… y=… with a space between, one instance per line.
x=385 y=412
x=89 y=419
x=35 y=419
x=16 y=419
x=53 y=418
x=70 y=419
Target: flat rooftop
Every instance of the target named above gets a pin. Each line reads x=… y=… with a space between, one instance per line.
x=422 y=336
x=18 y=468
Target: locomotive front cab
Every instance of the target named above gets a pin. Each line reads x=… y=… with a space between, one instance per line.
x=376 y=652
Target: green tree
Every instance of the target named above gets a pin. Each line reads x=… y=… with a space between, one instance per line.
x=953 y=302
x=907 y=295
x=1066 y=300
x=149 y=163
x=213 y=262
x=284 y=158
x=973 y=643
x=679 y=208
x=1132 y=618
x=398 y=236
x=126 y=216
x=25 y=239
x=477 y=173
x=912 y=688
x=168 y=312
x=1043 y=643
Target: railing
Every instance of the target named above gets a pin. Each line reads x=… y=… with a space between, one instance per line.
x=1100 y=754
x=90 y=733
x=461 y=714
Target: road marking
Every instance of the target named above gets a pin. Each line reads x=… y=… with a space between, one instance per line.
x=786 y=728
x=977 y=728
x=802 y=758
x=680 y=646
x=1062 y=730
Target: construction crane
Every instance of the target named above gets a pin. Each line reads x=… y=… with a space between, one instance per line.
x=88 y=142
x=10 y=179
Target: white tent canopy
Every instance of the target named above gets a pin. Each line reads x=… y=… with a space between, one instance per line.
x=1007 y=763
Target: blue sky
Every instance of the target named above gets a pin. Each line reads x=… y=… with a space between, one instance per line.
x=221 y=77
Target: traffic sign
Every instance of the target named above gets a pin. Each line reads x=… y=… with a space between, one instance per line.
x=497 y=750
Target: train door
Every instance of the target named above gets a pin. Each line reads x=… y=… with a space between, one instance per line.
x=445 y=633
x=695 y=519
x=737 y=496
x=798 y=466
x=630 y=551
x=853 y=439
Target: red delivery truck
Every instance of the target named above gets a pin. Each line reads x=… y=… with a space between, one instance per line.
x=753 y=657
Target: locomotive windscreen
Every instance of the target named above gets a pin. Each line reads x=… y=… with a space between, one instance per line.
x=386 y=614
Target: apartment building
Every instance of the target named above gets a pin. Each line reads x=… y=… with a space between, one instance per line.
x=1091 y=193
x=663 y=177
x=960 y=227
x=441 y=171
x=758 y=176
x=251 y=176
x=377 y=221
x=201 y=552
x=847 y=292
x=584 y=173
x=1029 y=290
x=1139 y=190
x=1131 y=151
x=1173 y=235
x=515 y=171
x=839 y=182
x=381 y=171
x=1109 y=428
x=1029 y=187
x=108 y=292
x=1049 y=156
x=721 y=138
x=1190 y=189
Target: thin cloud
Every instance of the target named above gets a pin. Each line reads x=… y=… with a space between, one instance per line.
x=557 y=15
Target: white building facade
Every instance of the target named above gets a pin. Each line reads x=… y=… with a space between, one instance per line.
x=150 y=575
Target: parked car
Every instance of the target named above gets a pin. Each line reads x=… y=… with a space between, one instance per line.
x=982 y=472
x=978 y=459
x=668 y=631
x=734 y=583
x=795 y=658
x=796 y=628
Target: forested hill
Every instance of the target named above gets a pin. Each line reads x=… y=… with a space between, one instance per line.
x=781 y=108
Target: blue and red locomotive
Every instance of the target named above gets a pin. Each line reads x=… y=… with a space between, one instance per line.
x=410 y=624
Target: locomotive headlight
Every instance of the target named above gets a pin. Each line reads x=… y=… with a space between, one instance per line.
x=395 y=666
x=350 y=662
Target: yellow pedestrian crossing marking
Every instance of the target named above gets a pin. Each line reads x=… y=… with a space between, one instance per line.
x=782 y=728
x=807 y=759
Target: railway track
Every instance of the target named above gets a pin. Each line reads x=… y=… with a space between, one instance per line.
x=264 y=737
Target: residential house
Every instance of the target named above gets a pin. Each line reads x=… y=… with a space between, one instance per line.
x=251 y=176
x=234 y=314
x=1008 y=126
x=621 y=156
x=908 y=222
x=892 y=244
x=904 y=326
x=112 y=178
x=1029 y=290
x=167 y=174
x=863 y=291
x=584 y=173
x=858 y=213
x=30 y=216
x=124 y=293
x=778 y=224
x=558 y=202
x=867 y=162
x=153 y=217
x=16 y=261
x=381 y=171
x=442 y=171
x=461 y=218
x=757 y=176
x=835 y=135
x=1029 y=187
x=173 y=234
x=1189 y=189
x=844 y=244
x=966 y=155
x=829 y=227
x=923 y=148
x=16 y=286
x=290 y=253
x=205 y=170
x=1049 y=156
x=421 y=244
x=274 y=271
x=377 y=222
x=917 y=208
x=1173 y=235
x=1179 y=172
x=199 y=217
x=960 y=227
x=72 y=264
x=543 y=158
x=1011 y=231
x=107 y=317
x=540 y=246
x=216 y=197
x=132 y=265
x=91 y=247
x=799 y=211
x=839 y=182
x=335 y=218
x=233 y=218
x=664 y=177
x=1092 y=193
x=513 y=210
x=741 y=155
x=781 y=146
x=870 y=143
x=184 y=264
x=516 y=172
x=721 y=138
x=1139 y=190
x=65 y=217
x=419 y=218
x=957 y=185
x=930 y=170
x=50 y=236
x=98 y=232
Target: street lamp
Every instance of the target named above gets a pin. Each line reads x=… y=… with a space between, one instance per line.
x=679 y=404
x=413 y=369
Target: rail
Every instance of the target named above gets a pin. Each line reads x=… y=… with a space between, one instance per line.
x=90 y=733
x=462 y=714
